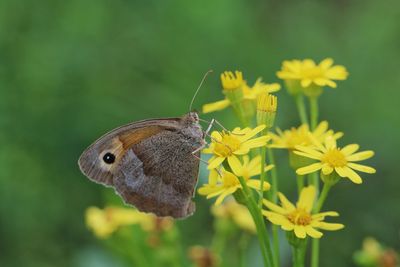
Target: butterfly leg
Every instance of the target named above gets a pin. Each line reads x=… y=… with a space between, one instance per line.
x=216 y=122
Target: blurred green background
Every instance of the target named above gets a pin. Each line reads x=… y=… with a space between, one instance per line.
x=71 y=70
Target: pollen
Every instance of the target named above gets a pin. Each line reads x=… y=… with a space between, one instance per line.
x=335 y=158
x=228 y=144
x=299 y=217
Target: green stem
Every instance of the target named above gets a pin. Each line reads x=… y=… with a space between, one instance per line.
x=273 y=198
x=275 y=240
x=245 y=195
x=314 y=179
x=301 y=108
x=300 y=183
x=262 y=233
x=317 y=208
x=314 y=111
x=322 y=197
x=297 y=257
x=262 y=175
x=274 y=176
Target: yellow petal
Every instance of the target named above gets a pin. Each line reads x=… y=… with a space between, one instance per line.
x=227 y=192
x=305 y=83
x=208 y=189
x=352 y=175
x=361 y=168
x=219 y=105
x=330 y=142
x=350 y=149
x=322 y=215
x=310 y=151
x=219 y=190
x=309 y=169
x=329 y=226
x=327 y=169
x=252 y=133
x=321 y=128
x=274 y=207
x=214 y=163
x=307 y=155
x=286 y=204
x=300 y=231
x=306 y=199
x=256 y=184
x=360 y=156
x=216 y=136
x=256 y=142
x=326 y=63
x=277 y=219
x=235 y=165
x=312 y=232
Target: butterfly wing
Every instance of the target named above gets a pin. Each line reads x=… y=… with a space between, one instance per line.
x=116 y=143
x=159 y=174
x=149 y=163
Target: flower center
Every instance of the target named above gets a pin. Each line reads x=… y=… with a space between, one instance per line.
x=298 y=137
x=230 y=180
x=335 y=158
x=227 y=146
x=312 y=73
x=299 y=217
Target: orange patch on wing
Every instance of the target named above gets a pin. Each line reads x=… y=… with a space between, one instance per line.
x=131 y=138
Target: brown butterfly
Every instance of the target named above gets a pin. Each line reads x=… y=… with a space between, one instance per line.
x=150 y=163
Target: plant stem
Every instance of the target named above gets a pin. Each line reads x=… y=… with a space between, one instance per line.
x=275 y=240
x=314 y=179
x=317 y=208
x=322 y=197
x=300 y=183
x=259 y=222
x=262 y=175
x=301 y=108
x=274 y=176
x=314 y=111
x=297 y=257
x=273 y=198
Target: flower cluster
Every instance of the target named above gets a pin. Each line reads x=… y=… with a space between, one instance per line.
x=238 y=163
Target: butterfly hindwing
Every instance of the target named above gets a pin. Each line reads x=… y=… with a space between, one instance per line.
x=159 y=174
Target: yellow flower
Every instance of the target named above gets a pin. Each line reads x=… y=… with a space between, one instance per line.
x=334 y=159
x=105 y=222
x=289 y=139
x=227 y=145
x=299 y=218
x=235 y=81
x=229 y=182
x=239 y=214
x=307 y=72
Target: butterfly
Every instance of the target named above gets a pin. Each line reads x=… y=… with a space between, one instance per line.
x=149 y=163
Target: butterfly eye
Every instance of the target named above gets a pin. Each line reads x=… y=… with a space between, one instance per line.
x=109 y=158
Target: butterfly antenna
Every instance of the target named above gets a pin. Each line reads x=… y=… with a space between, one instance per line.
x=198 y=88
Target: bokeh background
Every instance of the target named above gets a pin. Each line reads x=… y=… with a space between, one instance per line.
x=71 y=70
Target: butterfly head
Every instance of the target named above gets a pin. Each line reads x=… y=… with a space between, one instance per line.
x=191 y=118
